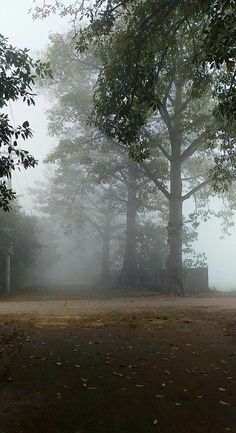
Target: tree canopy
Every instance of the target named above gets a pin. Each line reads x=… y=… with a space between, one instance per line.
x=134 y=26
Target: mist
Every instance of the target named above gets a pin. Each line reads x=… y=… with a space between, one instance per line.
x=71 y=262
x=117 y=216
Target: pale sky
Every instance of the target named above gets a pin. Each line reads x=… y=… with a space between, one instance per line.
x=17 y=25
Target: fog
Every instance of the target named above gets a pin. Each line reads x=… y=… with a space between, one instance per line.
x=17 y=25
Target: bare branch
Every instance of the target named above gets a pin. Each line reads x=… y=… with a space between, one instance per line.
x=166 y=118
x=197 y=188
x=196 y=144
x=165 y=153
x=151 y=176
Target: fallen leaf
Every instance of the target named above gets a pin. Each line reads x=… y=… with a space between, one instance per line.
x=118 y=374
x=221 y=389
x=224 y=403
x=155 y=421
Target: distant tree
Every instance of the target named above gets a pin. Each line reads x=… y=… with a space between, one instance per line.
x=18 y=72
x=105 y=160
x=19 y=237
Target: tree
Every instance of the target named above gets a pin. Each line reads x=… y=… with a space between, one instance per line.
x=178 y=124
x=164 y=20
x=19 y=237
x=106 y=160
x=18 y=72
x=167 y=116
x=81 y=203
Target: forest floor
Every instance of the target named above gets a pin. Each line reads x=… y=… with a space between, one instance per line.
x=140 y=364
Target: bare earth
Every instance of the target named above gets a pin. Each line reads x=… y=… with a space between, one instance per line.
x=125 y=365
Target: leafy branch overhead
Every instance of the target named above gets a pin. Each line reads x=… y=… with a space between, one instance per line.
x=18 y=72
x=133 y=29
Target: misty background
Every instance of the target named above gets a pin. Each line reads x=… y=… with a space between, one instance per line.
x=17 y=25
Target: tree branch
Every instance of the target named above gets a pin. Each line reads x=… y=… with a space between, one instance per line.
x=166 y=118
x=196 y=144
x=197 y=188
x=165 y=153
x=155 y=180
x=183 y=107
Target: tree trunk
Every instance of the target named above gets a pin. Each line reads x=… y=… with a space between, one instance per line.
x=105 y=266
x=174 y=272
x=129 y=269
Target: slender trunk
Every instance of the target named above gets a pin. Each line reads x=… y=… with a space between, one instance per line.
x=174 y=277
x=174 y=273
x=105 y=266
x=129 y=269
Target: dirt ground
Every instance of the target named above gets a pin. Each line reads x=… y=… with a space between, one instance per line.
x=124 y=365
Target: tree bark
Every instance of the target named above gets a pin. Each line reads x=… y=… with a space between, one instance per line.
x=129 y=268
x=174 y=272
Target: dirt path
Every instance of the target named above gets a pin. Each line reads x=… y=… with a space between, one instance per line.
x=79 y=307
x=166 y=370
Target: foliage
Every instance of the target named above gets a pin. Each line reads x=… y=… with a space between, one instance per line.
x=19 y=237
x=18 y=72
x=133 y=28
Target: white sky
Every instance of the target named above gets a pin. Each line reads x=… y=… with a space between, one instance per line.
x=17 y=25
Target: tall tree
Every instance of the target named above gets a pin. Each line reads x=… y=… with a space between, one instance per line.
x=75 y=76
x=74 y=196
x=173 y=111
